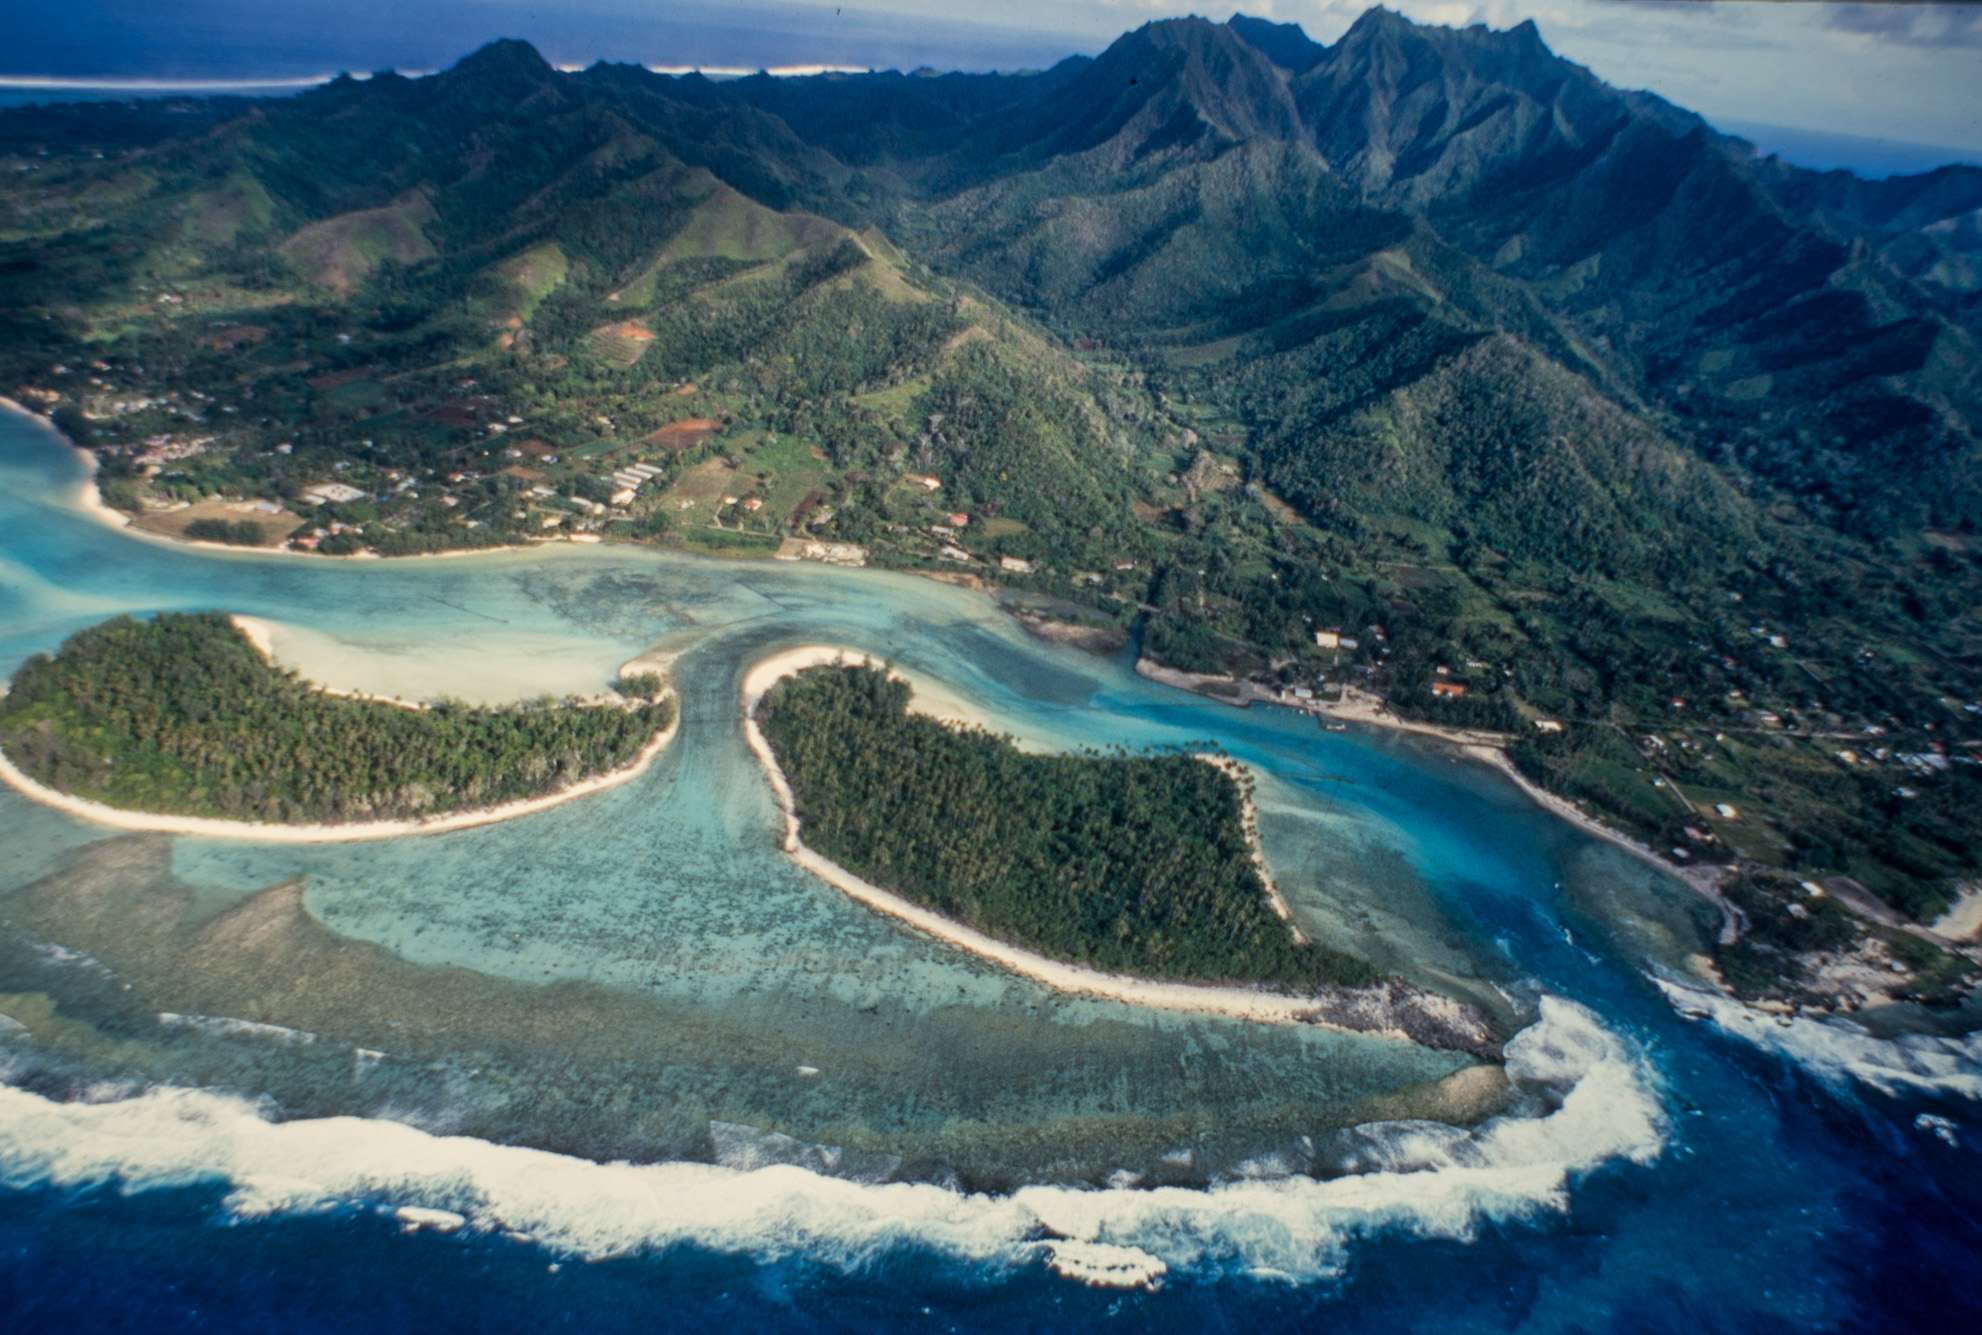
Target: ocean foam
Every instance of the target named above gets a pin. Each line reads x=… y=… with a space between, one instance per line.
x=1425 y=1183
x=228 y=1026
x=1840 y=1051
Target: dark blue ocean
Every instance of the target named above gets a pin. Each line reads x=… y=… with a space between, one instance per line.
x=1879 y=1232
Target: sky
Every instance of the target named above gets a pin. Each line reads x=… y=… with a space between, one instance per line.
x=1902 y=73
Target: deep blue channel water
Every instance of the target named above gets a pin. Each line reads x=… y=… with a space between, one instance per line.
x=619 y=1065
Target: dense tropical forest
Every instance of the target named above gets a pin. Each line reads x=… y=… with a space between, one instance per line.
x=1542 y=403
x=181 y=715
x=1128 y=863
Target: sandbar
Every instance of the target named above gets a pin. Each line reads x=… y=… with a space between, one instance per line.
x=928 y=698
x=1963 y=919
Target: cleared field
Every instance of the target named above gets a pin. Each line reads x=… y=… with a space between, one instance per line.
x=685 y=434
x=625 y=343
x=173 y=523
x=695 y=498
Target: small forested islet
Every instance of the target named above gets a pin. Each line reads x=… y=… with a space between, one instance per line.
x=1132 y=863
x=181 y=715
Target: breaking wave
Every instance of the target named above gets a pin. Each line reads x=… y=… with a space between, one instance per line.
x=1840 y=1051
x=1591 y=1096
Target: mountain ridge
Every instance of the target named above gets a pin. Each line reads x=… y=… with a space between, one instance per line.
x=1225 y=331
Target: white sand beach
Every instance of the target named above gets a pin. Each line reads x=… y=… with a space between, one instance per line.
x=1249 y=818
x=928 y=698
x=353 y=832
x=1963 y=920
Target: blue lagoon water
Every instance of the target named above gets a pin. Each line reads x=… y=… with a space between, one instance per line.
x=620 y=1063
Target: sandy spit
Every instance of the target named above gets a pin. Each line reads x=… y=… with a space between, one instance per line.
x=1238 y=1003
x=1249 y=818
x=1962 y=921
x=928 y=698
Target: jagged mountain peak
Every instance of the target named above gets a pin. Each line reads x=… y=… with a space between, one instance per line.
x=506 y=71
x=1285 y=44
x=1170 y=84
x=1411 y=113
x=505 y=56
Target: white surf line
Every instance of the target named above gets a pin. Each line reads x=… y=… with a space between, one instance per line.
x=1238 y=1003
x=1423 y=1181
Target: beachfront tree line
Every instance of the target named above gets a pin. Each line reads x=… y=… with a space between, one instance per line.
x=1133 y=863
x=181 y=715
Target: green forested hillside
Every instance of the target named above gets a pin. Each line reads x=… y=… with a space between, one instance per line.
x=1525 y=385
x=181 y=715
x=1131 y=863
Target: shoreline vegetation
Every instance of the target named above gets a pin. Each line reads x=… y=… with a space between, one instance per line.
x=351 y=768
x=1486 y=747
x=1384 y=1008
x=1839 y=952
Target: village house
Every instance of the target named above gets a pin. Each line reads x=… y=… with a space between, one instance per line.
x=330 y=493
x=1016 y=566
x=1448 y=688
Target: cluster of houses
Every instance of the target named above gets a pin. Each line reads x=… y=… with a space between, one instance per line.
x=309 y=541
x=161 y=450
x=628 y=481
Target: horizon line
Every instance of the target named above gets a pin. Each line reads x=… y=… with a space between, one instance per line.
x=140 y=83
